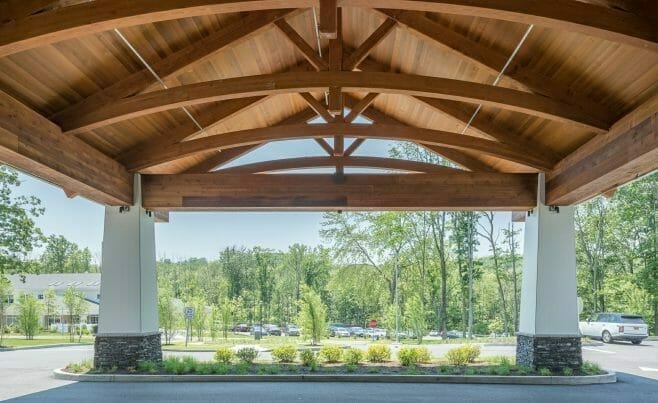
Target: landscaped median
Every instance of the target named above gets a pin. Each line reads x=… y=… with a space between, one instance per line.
x=334 y=364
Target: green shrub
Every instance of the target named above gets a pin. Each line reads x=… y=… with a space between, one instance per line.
x=414 y=355
x=424 y=356
x=173 y=365
x=331 y=353
x=353 y=356
x=220 y=369
x=566 y=371
x=378 y=353
x=223 y=355
x=591 y=368
x=82 y=366
x=463 y=354
x=247 y=354
x=147 y=366
x=522 y=370
x=408 y=356
x=503 y=370
x=308 y=358
x=544 y=372
x=285 y=353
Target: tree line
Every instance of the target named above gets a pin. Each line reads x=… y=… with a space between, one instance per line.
x=417 y=269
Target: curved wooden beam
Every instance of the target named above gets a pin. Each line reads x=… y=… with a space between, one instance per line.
x=102 y=15
x=288 y=132
x=288 y=164
x=291 y=82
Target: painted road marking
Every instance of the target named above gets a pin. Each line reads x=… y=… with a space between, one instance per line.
x=598 y=350
x=649 y=369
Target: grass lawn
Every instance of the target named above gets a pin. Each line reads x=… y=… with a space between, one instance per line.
x=41 y=340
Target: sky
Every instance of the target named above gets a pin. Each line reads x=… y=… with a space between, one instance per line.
x=205 y=234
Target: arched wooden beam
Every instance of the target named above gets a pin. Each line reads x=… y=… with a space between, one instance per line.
x=310 y=81
x=288 y=132
x=288 y=164
x=101 y=15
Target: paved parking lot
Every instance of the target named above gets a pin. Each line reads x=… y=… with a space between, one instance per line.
x=25 y=376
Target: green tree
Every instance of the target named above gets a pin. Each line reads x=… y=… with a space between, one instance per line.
x=5 y=292
x=488 y=233
x=74 y=303
x=169 y=314
x=29 y=311
x=312 y=316
x=227 y=309
x=200 y=319
x=19 y=234
x=416 y=319
x=49 y=304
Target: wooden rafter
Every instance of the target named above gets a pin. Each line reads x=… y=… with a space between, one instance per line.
x=456 y=156
x=226 y=156
x=335 y=97
x=462 y=112
x=317 y=106
x=209 y=118
x=320 y=162
x=30 y=142
x=313 y=192
x=172 y=64
x=494 y=60
x=325 y=146
x=361 y=106
x=281 y=83
x=353 y=147
x=628 y=151
x=329 y=19
x=221 y=158
x=306 y=50
x=360 y=53
x=288 y=132
x=98 y=16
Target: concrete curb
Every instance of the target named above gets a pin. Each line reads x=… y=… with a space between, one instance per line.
x=609 y=377
x=44 y=346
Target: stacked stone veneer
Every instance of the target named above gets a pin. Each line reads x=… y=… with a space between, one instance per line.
x=553 y=352
x=126 y=351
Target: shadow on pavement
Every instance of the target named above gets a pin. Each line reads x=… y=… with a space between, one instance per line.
x=628 y=388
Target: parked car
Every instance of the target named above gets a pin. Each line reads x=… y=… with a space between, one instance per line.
x=376 y=333
x=273 y=330
x=454 y=334
x=333 y=327
x=434 y=333
x=292 y=330
x=341 y=332
x=615 y=326
x=258 y=329
x=241 y=328
x=357 y=331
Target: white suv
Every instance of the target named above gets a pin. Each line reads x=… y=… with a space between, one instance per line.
x=615 y=326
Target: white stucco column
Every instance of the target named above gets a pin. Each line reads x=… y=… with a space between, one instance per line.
x=548 y=328
x=128 y=315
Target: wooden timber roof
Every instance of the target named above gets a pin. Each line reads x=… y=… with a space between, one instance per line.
x=166 y=87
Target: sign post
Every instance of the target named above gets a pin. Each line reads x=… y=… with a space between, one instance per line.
x=373 y=325
x=189 y=314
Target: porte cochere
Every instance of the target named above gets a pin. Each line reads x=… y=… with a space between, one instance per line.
x=139 y=105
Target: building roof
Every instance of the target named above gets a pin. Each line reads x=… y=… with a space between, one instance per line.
x=58 y=281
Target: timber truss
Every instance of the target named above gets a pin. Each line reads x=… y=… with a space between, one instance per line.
x=458 y=78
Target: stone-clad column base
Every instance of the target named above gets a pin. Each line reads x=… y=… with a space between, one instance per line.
x=553 y=352
x=123 y=351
